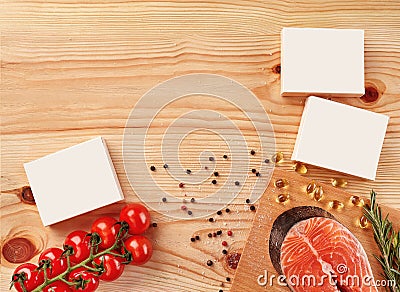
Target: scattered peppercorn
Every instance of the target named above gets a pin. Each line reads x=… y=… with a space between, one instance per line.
x=211 y=158
x=219 y=232
x=165 y=165
x=247 y=201
x=181 y=185
x=266 y=160
x=197 y=237
x=209 y=235
x=225 y=156
x=258 y=174
x=214 y=181
x=252 y=208
x=228 y=279
x=224 y=251
x=253 y=170
x=209 y=263
x=220 y=290
x=164 y=199
x=214 y=234
x=183 y=207
x=216 y=173
x=188 y=171
x=227 y=210
x=192 y=200
x=154 y=224
x=205 y=167
x=152 y=168
x=229 y=232
x=211 y=219
x=190 y=212
x=252 y=152
x=237 y=183
x=224 y=243
x=219 y=212
x=193 y=239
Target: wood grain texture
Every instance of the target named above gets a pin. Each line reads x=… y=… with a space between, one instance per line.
x=255 y=258
x=72 y=70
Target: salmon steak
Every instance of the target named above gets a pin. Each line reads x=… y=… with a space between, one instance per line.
x=320 y=254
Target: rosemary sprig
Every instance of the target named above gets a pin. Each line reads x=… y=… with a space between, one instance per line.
x=388 y=241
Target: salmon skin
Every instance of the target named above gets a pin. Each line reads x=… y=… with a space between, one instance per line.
x=320 y=254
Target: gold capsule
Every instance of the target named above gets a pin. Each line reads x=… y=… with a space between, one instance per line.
x=277 y=157
x=357 y=201
x=335 y=204
x=318 y=193
x=282 y=198
x=363 y=221
x=300 y=168
x=339 y=182
x=281 y=183
x=311 y=187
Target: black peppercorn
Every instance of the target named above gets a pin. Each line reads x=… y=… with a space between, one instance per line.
x=190 y=212
x=154 y=224
x=227 y=210
x=211 y=219
x=252 y=208
x=219 y=232
x=252 y=152
x=209 y=235
x=165 y=165
x=247 y=201
x=228 y=279
x=224 y=251
x=152 y=168
x=214 y=181
x=188 y=171
x=219 y=213
x=258 y=174
x=211 y=158
x=164 y=199
x=225 y=156
x=253 y=170
x=216 y=173
x=192 y=200
x=193 y=239
x=197 y=237
x=237 y=183
x=209 y=263
x=266 y=160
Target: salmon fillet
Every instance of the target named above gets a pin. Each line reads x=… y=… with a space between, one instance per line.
x=320 y=254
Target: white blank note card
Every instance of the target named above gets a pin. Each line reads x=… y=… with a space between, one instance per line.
x=340 y=137
x=73 y=181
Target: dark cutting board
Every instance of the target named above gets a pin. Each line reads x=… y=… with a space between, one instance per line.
x=255 y=258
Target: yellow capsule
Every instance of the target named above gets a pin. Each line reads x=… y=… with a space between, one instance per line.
x=277 y=157
x=281 y=183
x=339 y=182
x=363 y=221
x=282 y=198
x=318 y=193
x=357 y=201
x=311 y=187
x=300 y=168
x=335 y=204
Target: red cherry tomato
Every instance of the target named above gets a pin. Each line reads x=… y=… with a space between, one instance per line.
x=137 y=216
x=33 y=278
x=57 y=286
x=83 y=277
x=80 y=243
x=140 y=247
x=113 y=267
x=58 y=264
x=106 y=228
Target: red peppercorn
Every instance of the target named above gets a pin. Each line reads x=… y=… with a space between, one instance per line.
x=224 y=243
x=229 y=233
x=183 y=207
x=181 y=185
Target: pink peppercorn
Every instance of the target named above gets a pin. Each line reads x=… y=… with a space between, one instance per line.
x=224 y=243
x=229 y=233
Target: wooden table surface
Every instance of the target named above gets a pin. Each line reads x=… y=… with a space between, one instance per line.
x=73 y=70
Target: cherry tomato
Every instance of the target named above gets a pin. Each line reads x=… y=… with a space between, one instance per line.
x=113 y=267
x=80 y=276
x=57 y=286
x=80 y=243
x=140 y=247
x=33 y=278
x=58 y=264
x=106 y=228
x=137 y=216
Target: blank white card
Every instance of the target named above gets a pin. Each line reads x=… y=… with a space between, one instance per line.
x=73 y=181
x=340 y=137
